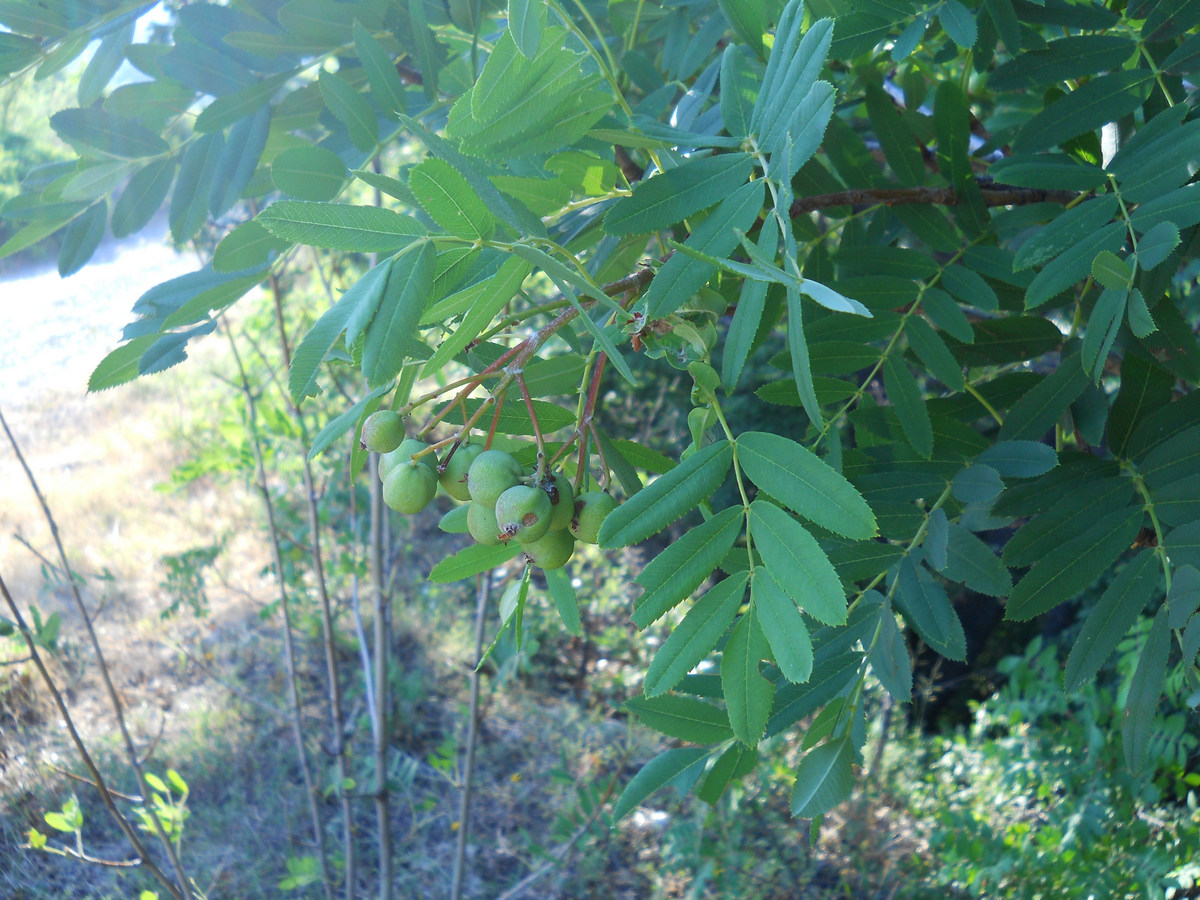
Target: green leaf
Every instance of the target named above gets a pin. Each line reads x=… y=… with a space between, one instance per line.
x=1067 y=517
x=928 y=610
x=959 y=23
x=696 y=636
x=197 y=174
x=667 y=498
x=678 y=193
x=386 y=87
x=783 y=626
x=1019 y=459
x=472 y=560
x=1156 y=245
x=1037 y=411
x=933 y=351
x=1069 y=57
x=1073 y=565
x=1065 y=231
x=1102 y=327
x=1111 y=618
x=890 y=660
x=121 y=365
x=450 y=201
x=358 y=303
x=797 y=562
x=241 y=104
x=489 y=298
x=239 y=160
x=681 y=276
x=1141 y=703
x=455 y=521
x=1102 y=100
x=526 y=22
x=685 y=718
x=309 y=173
x=895 y=138
x=683 y=565
x=905 y=397
x=971 y=561
x=339 y=226
x=1184 y=596
x=562 y=592
x=805 y=483
x=786 y=86
x=1159 y=157
x=404 y=299
x=747 y=317
x=1145 y=387
x=81 y=239
x=739 y=88
x=247 y=246
x=351 y=109
x=681 y=762
x=104 y=63
x=976 y=484
x=1110 y=271
x=947 y=315
x=801 y=365
x=748 y=694
x=94 y=130
x=823 y=780
x=832 y=676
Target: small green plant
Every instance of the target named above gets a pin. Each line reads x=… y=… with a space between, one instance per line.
x=185 y=582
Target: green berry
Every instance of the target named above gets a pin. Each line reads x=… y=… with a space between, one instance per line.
x=412 y=447
x=562 y=498
x=491 y=474
x=481 y=523
x=524 y=512
x=409 y=488
x=591 y=509
x=552 y=551
x=454 y=478
x=383 y=431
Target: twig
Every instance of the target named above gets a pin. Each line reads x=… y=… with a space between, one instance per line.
x=289 y=650
x=383 y=644
x=560 y=852
x=337 y=735
x=183 y=889
x=106 y=794
x=464 y=808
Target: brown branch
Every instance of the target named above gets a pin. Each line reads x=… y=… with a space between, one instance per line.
x=183 y=889
x=993 y=195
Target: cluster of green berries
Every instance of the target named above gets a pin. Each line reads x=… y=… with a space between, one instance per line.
x=543 y=515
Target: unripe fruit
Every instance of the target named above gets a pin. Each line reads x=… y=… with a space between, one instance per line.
x=524 y=512
x=491 y=474
x=454 y=479
x=481 y=523
x=409 y=488
x=412 y=447
x=383 y=431
x=591 y=509
x=403 y=454
x=562 y=498
x=552 y=551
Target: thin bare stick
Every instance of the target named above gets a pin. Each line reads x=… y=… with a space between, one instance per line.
x=289 y=649
x=184 y=885
x=464 y=807
x=106 y=794
x=560 y=852
x=383 y=642
x=338 y=744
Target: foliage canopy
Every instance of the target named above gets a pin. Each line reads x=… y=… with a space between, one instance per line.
x=962 y=233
